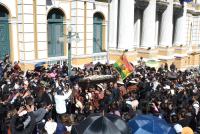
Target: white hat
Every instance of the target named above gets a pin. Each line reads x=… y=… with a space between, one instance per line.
x=178 y=128
x=196 y=105
x=166 y=87
x=120 y=82
x=50 y=127
x=133 y=82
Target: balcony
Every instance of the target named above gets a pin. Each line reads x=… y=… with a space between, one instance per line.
x=96 y=57
x=193 y=8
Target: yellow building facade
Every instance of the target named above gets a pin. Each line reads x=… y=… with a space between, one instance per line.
x=33 y=31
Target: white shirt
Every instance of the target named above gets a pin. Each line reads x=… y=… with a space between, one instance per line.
x=60 y=102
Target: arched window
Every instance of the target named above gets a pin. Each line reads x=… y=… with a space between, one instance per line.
x=4 y=32
x=98 y=31
x=55 y=29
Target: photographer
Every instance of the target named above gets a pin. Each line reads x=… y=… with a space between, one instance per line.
x=60 y=100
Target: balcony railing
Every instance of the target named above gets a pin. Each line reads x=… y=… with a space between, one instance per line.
x=176 y=1
x=96 y=57
x=162 y=0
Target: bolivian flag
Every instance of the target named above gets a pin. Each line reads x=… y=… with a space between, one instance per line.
x=123 y=67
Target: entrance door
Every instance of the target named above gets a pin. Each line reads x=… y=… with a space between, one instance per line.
x=4 y=33
x=55 y=31
x=97 y=33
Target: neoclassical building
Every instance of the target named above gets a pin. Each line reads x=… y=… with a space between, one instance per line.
x=162 y=30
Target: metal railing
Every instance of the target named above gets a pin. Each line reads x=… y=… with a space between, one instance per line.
x=176 y=1
x=96 y=57
x=56 y=60
x=163 y=0
x=99 y=56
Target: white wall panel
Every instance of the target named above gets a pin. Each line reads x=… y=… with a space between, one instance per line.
x=29 y=46
x=28 y=9
x=42 y=36
x=28 y=18
x=42 y=54
x=28 y=28
x=30 y=55
x=29 y=37
x=42 y=46
x=42 y=27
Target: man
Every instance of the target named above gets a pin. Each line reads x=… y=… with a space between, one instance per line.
x=60 y=98
x=141 y=62
x=172 y=67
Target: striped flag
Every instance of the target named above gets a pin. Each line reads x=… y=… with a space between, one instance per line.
x=123 y=67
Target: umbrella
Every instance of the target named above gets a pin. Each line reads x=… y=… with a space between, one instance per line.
x=99 y=124
x=39 y=64
x=148 y=124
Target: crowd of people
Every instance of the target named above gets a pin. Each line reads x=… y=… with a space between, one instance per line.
x=47 y=101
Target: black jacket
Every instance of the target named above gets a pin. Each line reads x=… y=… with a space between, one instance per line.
x=28 y=130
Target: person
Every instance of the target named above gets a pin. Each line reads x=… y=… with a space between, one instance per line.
x=166 y=66
x=141 y=62
x=1 y=69
x=172 y=67
x=50 y=126
x=23 y=123
x=60 y=98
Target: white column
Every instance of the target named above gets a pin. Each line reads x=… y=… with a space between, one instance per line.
x=14 y=39
x=113 y=24
x=157 y=28
x=148 y=26
x=180 y=28
x=167 y=27
x=137 y=27
x=41 y=21
x=126 y=25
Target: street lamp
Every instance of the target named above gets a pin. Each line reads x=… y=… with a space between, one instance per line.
x=70 y=38
x=108 y=31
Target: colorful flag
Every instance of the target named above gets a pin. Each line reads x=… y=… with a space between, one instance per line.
x=123 y=67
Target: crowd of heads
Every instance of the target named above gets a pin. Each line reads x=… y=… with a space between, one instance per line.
x=46 y=100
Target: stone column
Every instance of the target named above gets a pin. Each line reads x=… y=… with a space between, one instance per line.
x=166 y=27
x=148 y=25
x=126 y=25
x=180 y=28
x=157 y=28
x=113 y=24
x=14 y=52
x=137 y=27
